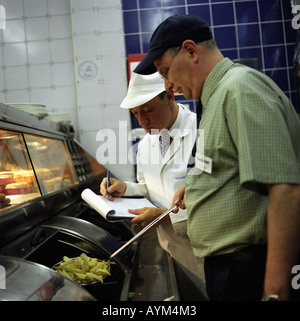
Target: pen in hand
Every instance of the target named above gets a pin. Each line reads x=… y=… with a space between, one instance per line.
x=107 y=183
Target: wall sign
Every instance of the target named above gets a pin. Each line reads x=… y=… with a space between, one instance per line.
x=87 y=70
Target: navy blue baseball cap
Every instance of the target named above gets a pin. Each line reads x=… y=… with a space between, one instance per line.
x=172 y=32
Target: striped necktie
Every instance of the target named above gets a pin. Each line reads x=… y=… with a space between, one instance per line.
x=164 y=141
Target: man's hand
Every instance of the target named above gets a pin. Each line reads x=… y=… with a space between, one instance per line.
x=283 y=237
x=178 y=199
x=116 y=189
x=146 y=215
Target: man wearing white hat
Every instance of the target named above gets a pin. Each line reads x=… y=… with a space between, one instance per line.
x=160 y=169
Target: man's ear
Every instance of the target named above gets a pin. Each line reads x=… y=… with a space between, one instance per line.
x=170 y=95
x=191 y=47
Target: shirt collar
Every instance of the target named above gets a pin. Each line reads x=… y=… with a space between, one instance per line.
x=177 y=122
x=213 y=79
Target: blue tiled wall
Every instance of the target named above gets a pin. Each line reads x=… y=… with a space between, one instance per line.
x=241 y=28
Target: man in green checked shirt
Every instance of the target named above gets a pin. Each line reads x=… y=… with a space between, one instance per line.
x=243 y=195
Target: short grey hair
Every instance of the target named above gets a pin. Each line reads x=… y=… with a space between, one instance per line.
x=209 y=44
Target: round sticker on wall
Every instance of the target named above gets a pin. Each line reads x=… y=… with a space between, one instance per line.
x=87 y=70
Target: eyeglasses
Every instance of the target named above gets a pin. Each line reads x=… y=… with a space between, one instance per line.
x=164 y=71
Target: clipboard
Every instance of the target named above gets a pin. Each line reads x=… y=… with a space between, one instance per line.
x=168 y=211
x=116 y=210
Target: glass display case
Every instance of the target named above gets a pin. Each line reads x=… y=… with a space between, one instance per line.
x=32 y=166
x=17 y=179
x=51 y=162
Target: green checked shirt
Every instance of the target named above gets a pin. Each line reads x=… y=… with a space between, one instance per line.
x=251 y=138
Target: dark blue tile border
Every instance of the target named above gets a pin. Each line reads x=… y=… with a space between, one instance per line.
x=242 y=29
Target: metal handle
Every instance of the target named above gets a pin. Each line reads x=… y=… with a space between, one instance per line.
x=145 y=229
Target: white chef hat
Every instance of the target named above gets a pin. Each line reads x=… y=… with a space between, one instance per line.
x=142 y=88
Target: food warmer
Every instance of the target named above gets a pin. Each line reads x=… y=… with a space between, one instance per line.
x=43 y=218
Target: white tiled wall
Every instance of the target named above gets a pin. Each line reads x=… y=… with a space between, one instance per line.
x=36 y=55
x=70 y=56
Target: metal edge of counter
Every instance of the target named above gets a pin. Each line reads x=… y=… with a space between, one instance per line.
x=17 y=118
x=16 y=220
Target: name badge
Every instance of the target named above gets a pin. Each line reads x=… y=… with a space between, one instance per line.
x=204 y=163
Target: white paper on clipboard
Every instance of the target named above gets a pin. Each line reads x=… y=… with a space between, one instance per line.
x=114 y=210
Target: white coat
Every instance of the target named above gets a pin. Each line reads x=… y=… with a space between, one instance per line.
x=159 y=177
